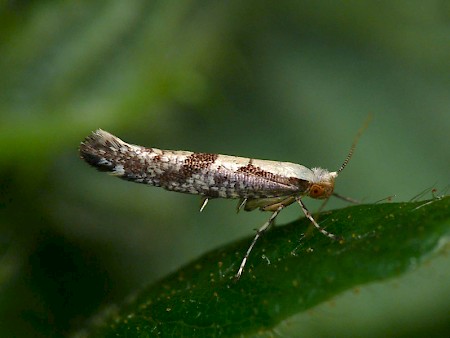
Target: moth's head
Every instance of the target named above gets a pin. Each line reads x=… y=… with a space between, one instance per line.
x=322 y=185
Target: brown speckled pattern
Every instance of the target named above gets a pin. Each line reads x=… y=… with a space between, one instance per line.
x=187 y=172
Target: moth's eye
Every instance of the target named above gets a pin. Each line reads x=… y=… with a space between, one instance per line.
x=316 y=191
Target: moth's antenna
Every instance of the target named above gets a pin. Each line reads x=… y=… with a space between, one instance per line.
x=355 y=141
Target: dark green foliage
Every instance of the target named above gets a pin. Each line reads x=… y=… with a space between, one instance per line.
x=287 y=272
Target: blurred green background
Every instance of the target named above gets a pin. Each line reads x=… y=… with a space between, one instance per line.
x=289 y=81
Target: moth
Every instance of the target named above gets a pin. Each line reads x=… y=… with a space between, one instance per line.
x=258 y=184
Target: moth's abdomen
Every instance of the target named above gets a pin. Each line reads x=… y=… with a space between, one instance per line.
x=210 y=175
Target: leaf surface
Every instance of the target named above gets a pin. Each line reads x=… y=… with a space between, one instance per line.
x=291 y=269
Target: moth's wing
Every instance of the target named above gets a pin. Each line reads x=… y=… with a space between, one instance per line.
x=254 y=179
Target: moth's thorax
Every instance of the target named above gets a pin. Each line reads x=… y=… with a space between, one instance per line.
x=322 y=183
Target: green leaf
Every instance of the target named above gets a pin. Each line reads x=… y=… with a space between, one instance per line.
x=288 y=272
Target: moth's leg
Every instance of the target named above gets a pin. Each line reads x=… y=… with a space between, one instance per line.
x=241 y=203
x=265 y=204
x=322 y=206
x=204 y=203
x=259 y=232
x=347 y=199
x=388 y=199
x=313 y=221
x=273 y=207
